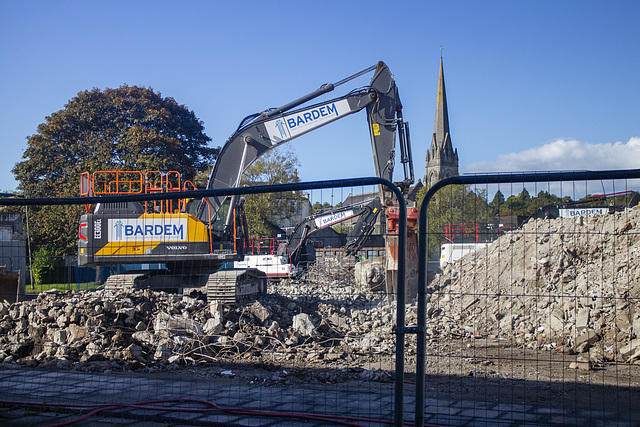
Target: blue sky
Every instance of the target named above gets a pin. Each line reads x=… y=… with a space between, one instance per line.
x=531 y=85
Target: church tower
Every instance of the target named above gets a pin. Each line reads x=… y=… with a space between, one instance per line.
x=442 y=160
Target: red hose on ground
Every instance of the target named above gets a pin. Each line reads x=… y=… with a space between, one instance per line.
x=337 y=419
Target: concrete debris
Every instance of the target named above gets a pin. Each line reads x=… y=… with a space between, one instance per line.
x=565 y=285
x=303 y=325
x=562 y=283
x=319 y=320
x=369 y=273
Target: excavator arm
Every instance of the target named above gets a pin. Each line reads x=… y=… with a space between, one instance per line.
x=363 y=228
x=367 y=212
x=259 y=133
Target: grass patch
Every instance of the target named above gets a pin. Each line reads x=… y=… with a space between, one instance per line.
x=60 y=286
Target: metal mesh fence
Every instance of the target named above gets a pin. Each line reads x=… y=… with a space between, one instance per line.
x=317 y=348
x=528 y=316
x=534 y=322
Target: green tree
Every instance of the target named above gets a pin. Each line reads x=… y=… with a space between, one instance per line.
x=524 y=205
x=264 y=211
x=128 y=128
x=454 y=204
x=319 y=207
x=544 y=198
x=514 y=205
x=498 y=201
x=44 y=264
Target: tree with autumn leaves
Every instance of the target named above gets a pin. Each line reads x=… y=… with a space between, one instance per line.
x=128 y=128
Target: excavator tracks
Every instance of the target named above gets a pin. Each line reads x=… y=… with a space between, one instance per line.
x=231 y=286
x=226 y=286
x=122 y=282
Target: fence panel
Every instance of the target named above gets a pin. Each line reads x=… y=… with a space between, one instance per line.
x=319 y=348
x=541 y=324
x=537 y=325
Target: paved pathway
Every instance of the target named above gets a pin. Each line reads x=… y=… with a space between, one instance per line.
x=183 y=402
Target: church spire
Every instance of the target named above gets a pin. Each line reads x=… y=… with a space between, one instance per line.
x=441 y=126
x=442 y=160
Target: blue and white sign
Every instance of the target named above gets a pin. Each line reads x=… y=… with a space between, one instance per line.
x=326 y=220
x=294 y=125
x=148 y=230
x=570 y=213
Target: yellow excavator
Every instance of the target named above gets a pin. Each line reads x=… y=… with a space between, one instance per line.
x=194 y=240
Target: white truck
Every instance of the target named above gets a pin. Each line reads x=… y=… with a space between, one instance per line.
x=450 y=252
x=274 y=266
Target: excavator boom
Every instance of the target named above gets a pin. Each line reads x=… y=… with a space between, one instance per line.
x=262 y=132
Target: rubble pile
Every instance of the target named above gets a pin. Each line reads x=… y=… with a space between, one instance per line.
x=566 y=285
x=569 y=284
x=326 y=320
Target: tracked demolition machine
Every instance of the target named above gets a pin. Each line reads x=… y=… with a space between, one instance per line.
x=194 y=239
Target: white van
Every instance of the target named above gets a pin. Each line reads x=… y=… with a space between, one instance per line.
x=451 y=252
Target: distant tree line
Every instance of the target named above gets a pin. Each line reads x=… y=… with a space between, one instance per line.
x=523 y=204
x=464 y=204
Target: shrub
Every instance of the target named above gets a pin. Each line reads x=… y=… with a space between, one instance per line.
x=44 y=264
